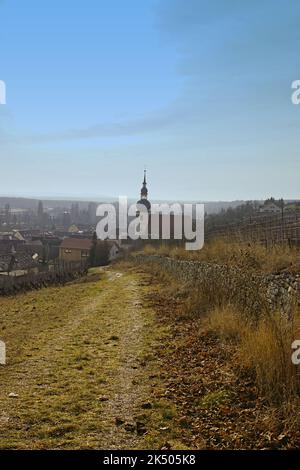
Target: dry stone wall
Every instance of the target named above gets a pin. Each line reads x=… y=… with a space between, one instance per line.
x=255 y=292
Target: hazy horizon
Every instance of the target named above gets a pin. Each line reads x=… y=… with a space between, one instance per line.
x=96 y=198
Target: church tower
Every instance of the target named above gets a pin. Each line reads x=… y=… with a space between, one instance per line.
x=144 y=190
x=144 y=194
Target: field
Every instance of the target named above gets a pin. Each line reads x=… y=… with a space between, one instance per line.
x=128 y=358
x=78 y=365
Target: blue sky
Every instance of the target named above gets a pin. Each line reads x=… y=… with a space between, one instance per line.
x=198 y=91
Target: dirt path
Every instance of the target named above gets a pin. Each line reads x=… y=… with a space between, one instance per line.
x=122 y=360
x=80 y=370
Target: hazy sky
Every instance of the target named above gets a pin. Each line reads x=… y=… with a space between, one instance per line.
x=199 y=91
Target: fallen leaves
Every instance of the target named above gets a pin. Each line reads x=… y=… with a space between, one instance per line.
x=218 y=406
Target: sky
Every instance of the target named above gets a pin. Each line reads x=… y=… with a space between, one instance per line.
x=196 y=91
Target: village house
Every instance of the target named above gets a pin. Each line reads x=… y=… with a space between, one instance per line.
x=270 y=208
x=75 y=249
x=73 y=229
x=78 y=249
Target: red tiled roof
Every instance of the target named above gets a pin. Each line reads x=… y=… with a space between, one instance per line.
x=76 y=243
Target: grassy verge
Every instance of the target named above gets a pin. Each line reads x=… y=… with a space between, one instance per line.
x=264 y=349
x=236 y=383
x=82 y=369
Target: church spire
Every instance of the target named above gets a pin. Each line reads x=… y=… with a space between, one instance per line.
x=144 y=190
x=144 y=194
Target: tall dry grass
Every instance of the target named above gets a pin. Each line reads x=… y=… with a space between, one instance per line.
x=262 y=343
x=263 y=348
x=252 y=256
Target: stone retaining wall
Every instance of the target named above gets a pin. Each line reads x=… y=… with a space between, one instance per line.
x=253 y=291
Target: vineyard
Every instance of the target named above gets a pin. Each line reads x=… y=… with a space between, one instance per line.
x=267 y=229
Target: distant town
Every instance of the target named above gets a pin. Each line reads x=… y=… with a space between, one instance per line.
x=39 y=234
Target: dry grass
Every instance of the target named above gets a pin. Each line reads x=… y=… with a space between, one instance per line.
x=257 y=348
x=262 y=343
x=78 y=357
x=249 y=256
x=227 y=323
x=263 y=348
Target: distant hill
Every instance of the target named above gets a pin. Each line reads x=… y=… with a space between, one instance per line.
x=211 y=207
x=32 y=203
